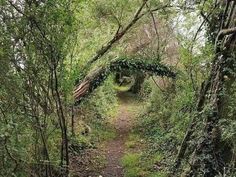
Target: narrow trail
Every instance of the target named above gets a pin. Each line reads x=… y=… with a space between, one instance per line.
x=115 y=148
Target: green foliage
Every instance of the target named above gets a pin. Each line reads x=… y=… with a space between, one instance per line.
x=146 y=89
x=99 y=21
x=44 y=49
x=131 y=164
x=130 y=160
x=165 y=120
x=34 y=40
x=99 y=110
x=99 y=76
x=102 y=101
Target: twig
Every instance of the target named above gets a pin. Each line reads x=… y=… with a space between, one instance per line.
x=224 y=15
x=205 y=17
x=10 y=155
x=201 y=25
x=228 y=31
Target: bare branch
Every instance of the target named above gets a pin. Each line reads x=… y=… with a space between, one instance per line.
x=155 y=27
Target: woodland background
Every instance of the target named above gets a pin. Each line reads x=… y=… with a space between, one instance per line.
x=187 y=124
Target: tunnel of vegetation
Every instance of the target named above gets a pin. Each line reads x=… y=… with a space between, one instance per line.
x=96 y=78
x=45 y=45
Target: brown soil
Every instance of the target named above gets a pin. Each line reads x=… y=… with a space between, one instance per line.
x=114 y=149
x=88 y=164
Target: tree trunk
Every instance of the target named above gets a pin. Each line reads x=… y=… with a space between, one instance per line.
x=139 y=80
x=205 y=161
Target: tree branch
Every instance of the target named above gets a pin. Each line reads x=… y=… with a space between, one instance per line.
x=118 y=35
x=229 y=31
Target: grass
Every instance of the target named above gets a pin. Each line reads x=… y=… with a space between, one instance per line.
x=133 y=141
x=131 y=162
x=136 y=166
x=122 y=88
x=103 y=132
x=131 y=159
x=133 y=172
x=157 y=174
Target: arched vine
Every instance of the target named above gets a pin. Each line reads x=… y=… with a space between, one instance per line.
x=97 y=77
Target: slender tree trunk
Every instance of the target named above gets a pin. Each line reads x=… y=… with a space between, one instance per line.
x=62 y=120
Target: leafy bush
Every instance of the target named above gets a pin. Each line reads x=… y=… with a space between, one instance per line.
x=96 y=112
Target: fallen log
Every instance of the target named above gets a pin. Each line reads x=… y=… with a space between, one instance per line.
x=95 y=78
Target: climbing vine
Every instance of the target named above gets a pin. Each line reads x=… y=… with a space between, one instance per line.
x=96 y=78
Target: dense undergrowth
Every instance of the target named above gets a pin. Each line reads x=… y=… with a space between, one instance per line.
x=159 y=130
x=161 y=127
x=94 y=115
x=46 y=46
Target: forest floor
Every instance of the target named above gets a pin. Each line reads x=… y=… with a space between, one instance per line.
x=115 y=148
x=106 y=159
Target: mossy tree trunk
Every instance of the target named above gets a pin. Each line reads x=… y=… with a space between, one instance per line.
x=138 y=83
x=206 y=156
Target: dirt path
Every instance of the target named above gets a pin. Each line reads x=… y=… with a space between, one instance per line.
x=114 y=149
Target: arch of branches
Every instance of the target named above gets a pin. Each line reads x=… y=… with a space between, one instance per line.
x=98 y=76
